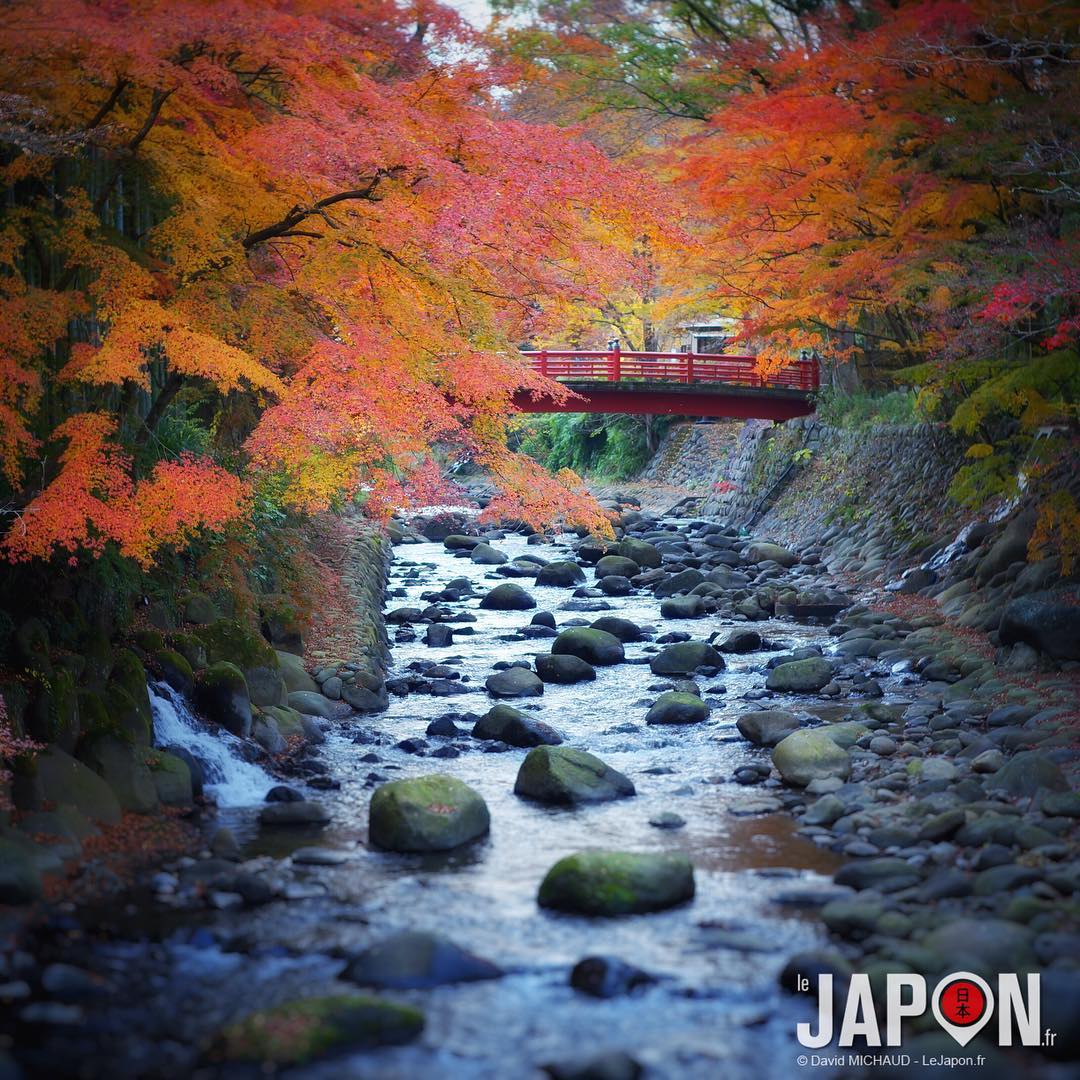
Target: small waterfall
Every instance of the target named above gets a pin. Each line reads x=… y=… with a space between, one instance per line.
x=228 y=778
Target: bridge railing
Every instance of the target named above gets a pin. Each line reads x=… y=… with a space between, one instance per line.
x=617 y=366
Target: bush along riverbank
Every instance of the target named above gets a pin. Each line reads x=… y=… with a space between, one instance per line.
x=98 y=787
x=676 y=687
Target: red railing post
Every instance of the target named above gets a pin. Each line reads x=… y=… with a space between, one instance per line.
x=689 y=367
x=615 y=365
x=543 y=361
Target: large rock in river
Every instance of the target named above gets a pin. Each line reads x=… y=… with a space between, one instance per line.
x=300 y=1032
x=686 y=657
x=596 y=647
x=514 y=682
x=676 y=708
x=800 y=676
x=810 y=754
x=682 y=607
x=487 y=555
x=639 y=551
x=618 y=882
x=505 y=724
x=417 y=960
x=623 y=629
x=426 y=813
x=564 y=668
x=221 y=694
x=617 y=565
x=564 y=776
x=508 y=597
x=767 y=726
x=563 y=573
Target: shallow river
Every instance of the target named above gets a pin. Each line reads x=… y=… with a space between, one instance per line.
x=717 y=1009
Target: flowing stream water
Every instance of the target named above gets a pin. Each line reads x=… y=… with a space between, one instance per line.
x=717 y=1009
x=229 y=779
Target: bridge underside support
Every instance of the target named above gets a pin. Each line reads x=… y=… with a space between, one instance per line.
x=737 y=403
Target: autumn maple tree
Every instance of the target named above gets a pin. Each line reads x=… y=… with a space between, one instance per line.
x=893 y=185
x=272 y=246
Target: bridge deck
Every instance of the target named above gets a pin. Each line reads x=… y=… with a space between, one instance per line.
x=689 y=384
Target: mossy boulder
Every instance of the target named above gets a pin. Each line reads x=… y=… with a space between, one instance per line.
x=506 y=724
x=677 y=708
x=426 y=813
x=800 y=676
x=608 y=883
x=564 y=669
x=172 y=778
x=148 y=641
x=640 y=552
x=66 y=781
x=563 y=573
x=514 y=682
x=129 y=673
x=175 y=670
x=763 y=552
x=289 y=721
x=237 y=643
x=682 y=607
x=281 y=624
x=264 y=731
x=221 y=694
x=97 y=652
x=190 y=648
x=486 y=555
x=53 y=715
x=508 y=597
x=766 y=727
x=300 y=1032
x=295 y=674
x=562 y=776
x=126 y=718
x=124 y=767
x=311 y=704
x=623 y=629
x=596 y=647
x=686 y=657
x=810 y=754
x=617 y=566
x=200 y=610
x=94 y=717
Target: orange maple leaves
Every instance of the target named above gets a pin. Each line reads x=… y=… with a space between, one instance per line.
x=93 y=500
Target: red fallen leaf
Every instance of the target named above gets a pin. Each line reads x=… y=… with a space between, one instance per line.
x=441 y=808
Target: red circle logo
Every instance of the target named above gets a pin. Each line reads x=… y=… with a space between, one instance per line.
x=962 y=1002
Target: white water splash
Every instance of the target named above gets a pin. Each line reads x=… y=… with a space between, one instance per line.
x=228 y=778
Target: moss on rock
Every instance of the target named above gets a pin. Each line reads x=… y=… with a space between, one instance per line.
x=563 y=776
x=596 y=647
x=426 y=813
x=299 y=1032
x=618 y=882
x=175 y=670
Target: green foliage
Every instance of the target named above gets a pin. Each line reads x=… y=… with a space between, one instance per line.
x=859 y=410
x=614 y=447
x=1035 y=392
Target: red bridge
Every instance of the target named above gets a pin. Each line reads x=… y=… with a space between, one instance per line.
x=689 y=384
